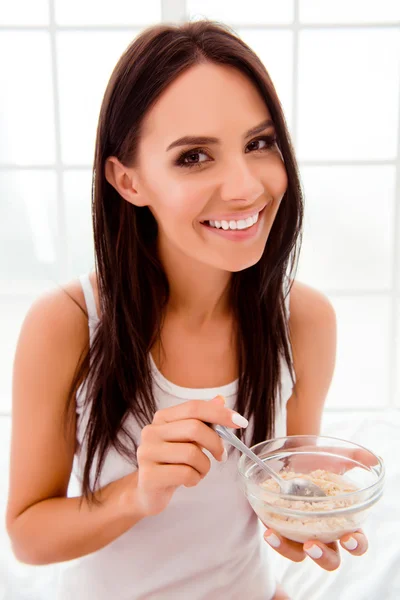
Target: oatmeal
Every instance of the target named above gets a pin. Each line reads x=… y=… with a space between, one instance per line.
x=327 y=527
x=330 y=483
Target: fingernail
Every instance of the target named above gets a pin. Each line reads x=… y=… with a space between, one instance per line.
x=272 y=540
x=351 y=544
x=224 y=456
x=314 y=551
x=239 y=420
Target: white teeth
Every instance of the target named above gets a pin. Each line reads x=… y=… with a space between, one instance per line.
x=240 y=224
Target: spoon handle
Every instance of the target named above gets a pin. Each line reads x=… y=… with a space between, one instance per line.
x=234 y=440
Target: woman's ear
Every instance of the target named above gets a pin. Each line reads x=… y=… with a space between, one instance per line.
x=123 y=180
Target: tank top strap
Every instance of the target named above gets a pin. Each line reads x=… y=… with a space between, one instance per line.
x=89 y=297
x=93 y=322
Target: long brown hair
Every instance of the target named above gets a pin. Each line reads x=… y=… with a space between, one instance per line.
x=132 y=285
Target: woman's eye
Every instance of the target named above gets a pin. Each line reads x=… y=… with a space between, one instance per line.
x=270 y=140
x=190 y=155
x=186 y=159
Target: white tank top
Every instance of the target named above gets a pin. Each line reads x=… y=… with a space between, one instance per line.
x=206 y=545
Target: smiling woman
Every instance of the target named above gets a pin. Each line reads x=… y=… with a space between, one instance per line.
x=189 y=302
x=235 y=176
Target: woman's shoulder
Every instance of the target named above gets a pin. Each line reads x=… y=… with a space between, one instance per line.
x=59 y=315
x=312 y=324
x=308 y=306
x=70 y=297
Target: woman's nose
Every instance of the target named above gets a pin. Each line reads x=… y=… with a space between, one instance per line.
x=240 y=182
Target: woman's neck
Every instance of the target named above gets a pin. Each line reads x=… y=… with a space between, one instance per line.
x=198 y=293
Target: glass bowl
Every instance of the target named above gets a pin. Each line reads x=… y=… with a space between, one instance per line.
x=356 y=473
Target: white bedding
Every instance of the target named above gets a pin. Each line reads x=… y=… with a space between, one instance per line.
x=375 y=576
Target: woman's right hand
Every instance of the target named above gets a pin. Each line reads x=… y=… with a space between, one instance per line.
x=170 y=453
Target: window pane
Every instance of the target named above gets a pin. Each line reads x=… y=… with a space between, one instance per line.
x=28 y=229
x=24 y=12
x=348 y=94
x=257 y=12
x=398 y=354
x=86 y=61
x=397 y=240
x=361 y=377
x=341 y=11
x=348 y=232
x=26 y=102
x=103 y=12
x=275 y=49
x=77 y=188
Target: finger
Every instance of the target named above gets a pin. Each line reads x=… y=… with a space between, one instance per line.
x=189 y=430
x=325 y=555
x=176 y=453
x=355 y=543
x=221 y=401
x=203 y=410
x=159 y=477
x=283 y=546
x=218 y=400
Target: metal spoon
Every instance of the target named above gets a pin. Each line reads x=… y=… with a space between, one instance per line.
x=293 y=487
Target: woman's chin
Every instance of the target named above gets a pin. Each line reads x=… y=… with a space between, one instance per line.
x=240 y=264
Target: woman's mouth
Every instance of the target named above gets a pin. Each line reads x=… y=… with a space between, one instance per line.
x=240 y=229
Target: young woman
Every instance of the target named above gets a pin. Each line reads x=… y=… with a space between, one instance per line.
x=187 y=321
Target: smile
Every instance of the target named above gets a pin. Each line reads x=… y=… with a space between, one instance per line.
x=240 y=224
x=234 y=224
x=240 y=229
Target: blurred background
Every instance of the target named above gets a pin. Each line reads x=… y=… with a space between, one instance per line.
x=335 y=65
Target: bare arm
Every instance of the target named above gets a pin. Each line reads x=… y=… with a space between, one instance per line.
x=44 y=525
x=57 y=529
x=313 y=333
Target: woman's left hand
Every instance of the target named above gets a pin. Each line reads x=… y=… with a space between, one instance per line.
x=327 y=556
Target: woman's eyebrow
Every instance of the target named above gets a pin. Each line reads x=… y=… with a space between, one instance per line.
x=201 y=140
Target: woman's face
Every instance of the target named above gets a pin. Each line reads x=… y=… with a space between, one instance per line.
x=237 y=175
